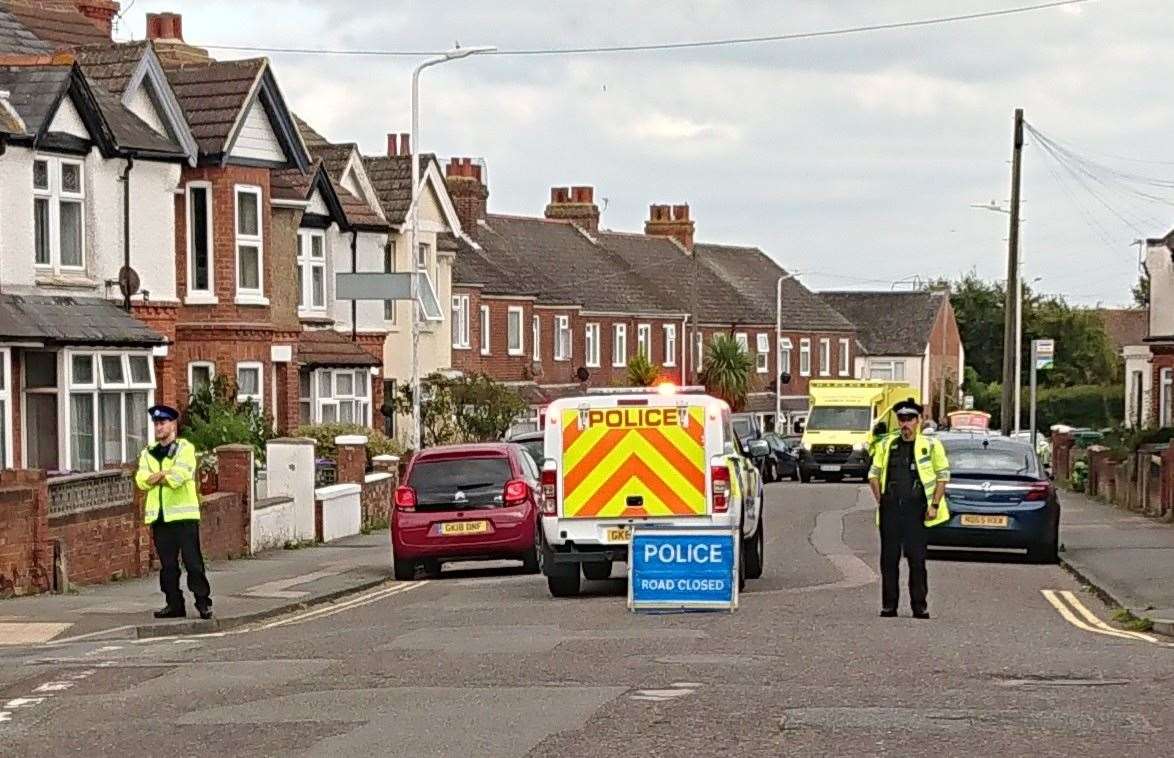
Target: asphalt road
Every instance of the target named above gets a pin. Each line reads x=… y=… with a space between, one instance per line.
x=484 y=663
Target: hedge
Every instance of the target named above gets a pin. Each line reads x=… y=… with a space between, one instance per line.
x=323 y=435
x=1093 y=406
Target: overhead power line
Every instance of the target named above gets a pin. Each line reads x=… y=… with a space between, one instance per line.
x=662 y=46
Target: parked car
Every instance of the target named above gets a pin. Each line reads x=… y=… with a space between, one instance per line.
x=783 y=461
x=750 y=434
x=466 y=502
x=999 y=496
x=532 y=442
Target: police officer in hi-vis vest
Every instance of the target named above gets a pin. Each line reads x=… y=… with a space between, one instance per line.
x=167 y=474
x=908 y=479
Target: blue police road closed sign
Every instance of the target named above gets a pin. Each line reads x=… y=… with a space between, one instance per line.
x=683 y=568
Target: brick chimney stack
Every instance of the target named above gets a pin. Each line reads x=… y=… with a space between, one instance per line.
x=575 y=204
x=670 y=221
x=467 y=189
x=101 y=12
x=165 y=30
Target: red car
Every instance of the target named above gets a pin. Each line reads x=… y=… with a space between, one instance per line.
x=466 y=502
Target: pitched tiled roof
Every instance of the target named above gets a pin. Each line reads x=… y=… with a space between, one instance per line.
x=358 y=213
x=291 y=183
x=889 y=323
x=10 y=120
x=309 y=136
x=679 y=282
x=111 y=65
x=755 y=277
x=1125 y=326
x=34 y=92
x=130 y=131
x=333 y=157
x=16 y=38
x=392 y=178
x=212 y=96
x=472 y=267
x=326 y=347
x=55 y=22
x=71 y=321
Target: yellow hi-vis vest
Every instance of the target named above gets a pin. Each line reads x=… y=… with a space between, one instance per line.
x=177 y=494
x=932 y=467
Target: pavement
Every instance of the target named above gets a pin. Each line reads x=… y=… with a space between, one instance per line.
x=1017 y=659
x=243 y=591
x=1126 y=557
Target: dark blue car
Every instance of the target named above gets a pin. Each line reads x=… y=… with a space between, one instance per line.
x=999 y=497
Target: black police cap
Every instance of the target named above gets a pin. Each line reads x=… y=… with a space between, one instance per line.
x=907 y=407
x=162 y=413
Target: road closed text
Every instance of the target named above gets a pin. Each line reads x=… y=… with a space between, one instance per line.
x=683 y=585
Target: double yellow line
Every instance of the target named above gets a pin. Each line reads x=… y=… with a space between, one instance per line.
x=355 y=602
x=1075 y=613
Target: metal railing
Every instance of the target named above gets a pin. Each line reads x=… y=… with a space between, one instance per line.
x=78 y=493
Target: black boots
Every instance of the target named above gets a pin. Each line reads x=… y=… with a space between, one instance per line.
x=171 y=612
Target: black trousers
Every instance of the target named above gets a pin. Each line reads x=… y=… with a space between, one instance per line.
x=902 y=530
x=173 y=540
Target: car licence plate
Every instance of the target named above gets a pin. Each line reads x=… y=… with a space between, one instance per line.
x=973 y=519
x=830 y=467
x=619 y=534
x=464 y=527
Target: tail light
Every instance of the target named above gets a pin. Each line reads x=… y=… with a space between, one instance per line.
x=720 y=475
x=516 y=492
x=1038 y=491
x=549 y=492
x=405 y=498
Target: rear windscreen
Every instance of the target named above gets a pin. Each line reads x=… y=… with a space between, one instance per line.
x=460 y=483
x=743 y=427
x=839 y=418
x=976 y=459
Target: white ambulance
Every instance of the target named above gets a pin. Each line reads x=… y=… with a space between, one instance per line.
x=616 y=458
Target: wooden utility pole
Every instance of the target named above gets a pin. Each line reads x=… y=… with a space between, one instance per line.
x=1011 y=303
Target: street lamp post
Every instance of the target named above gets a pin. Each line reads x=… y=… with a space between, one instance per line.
x=779 y=348
x=450 y=55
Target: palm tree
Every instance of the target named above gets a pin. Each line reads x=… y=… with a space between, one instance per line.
x=642 y=372
x=727 y=371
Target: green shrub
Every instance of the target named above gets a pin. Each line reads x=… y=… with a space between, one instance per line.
x=642 y=372
x=323 y=435
x=214 y=418
x=1093 y=406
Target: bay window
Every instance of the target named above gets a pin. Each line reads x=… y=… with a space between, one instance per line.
x=311 y=271
x=562 y=338
x=42 y=388
x=591 y=345
x=201 y=272
x=460 y=322
x=670 y=345
x=58 y=213
x=249 y=245
x=515 y=345
x=109 y=394
x=335 y=396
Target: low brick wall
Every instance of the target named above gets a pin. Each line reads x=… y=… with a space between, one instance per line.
x=224 y=526
x=26 y=556
x=101 y=545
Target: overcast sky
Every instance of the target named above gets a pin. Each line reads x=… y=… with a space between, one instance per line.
x=853 y=160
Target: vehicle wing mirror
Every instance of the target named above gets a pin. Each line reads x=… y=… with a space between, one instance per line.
x=759 y=448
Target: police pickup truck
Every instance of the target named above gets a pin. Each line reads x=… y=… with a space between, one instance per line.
x=617 y=458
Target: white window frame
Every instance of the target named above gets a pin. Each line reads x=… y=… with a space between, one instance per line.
x=248 y=295
x=199 y=364
x=644 y=340
x=460 y=322
x=743 y=341
x=361 y=404
x=591 y=345
x=306 y=264
x=57 y=196
x=845 y=358
x=536 y=338
x=258 y=398
x=762 y=352
x=7 y=456
x=194 y=294
x=1166 y=397
x=825 y=356
x=562 y=329
x=762 y=342
x=391 y=307
x=514 y=318
x=699 y=350
x=886 y=370
x=95 y=388
x=485 y=323
x=619 y=345
x=670 y=345
x=805 y=357
x=786 y=347
x=423 y=256
x=762 y=362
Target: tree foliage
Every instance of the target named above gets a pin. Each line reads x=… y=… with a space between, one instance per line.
x=727 y=372
x=1141 y=292
x=470 y=408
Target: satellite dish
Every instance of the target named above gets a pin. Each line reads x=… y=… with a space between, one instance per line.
x=785 y=377
x=128 y=281
x=583 y=374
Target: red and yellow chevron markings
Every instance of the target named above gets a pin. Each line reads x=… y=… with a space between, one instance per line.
x=634 y=452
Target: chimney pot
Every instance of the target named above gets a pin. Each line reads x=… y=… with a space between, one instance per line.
x=680 y=212
x=476 y=168
x=584 y=195
x=405 y=144
x=100 y=12
x=165 y=26
x=392 y=145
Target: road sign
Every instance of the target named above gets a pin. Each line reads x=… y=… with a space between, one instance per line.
x=377 y=286
x=1045 y=353
x=683 y=568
